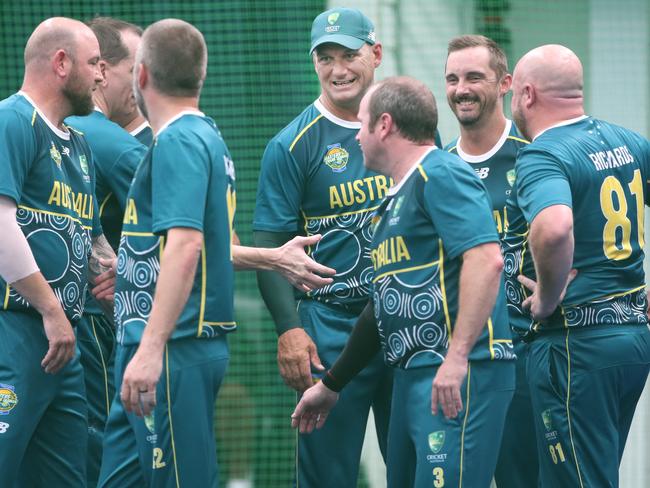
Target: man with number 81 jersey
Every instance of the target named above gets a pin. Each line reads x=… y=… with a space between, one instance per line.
x=581 y=186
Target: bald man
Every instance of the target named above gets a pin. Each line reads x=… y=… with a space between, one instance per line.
x=50 y=225
x=581 y=188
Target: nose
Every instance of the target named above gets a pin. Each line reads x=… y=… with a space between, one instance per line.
x=339 y=69
x=462 y=87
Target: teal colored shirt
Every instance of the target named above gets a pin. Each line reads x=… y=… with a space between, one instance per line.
x=186 y=180
x=50 y=175
x=313 y=181
x=143 y=134
x=420 y=235
x=496 y=170
x=600 y=171
x=116 y=154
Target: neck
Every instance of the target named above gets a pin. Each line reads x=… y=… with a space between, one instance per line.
x=100 y=102
x=347 y=112
x=482 y=136
x=405 y=156
x=162 y=108
x=136 y=122
x=550 y=118
x=48 y=100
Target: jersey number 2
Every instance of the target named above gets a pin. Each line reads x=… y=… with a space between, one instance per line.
x=617 y=216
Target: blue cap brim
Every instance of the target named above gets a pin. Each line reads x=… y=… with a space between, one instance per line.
x=342 y=39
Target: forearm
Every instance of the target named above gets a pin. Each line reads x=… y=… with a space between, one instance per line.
x=551 y=245
x=361 y=347
x=175 y=280
x=16 y=258
x=259 y=258
x=36 y=290
x=277 y=292
x=479 y=285
x=101 y=249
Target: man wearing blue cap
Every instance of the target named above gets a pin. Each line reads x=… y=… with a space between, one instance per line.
x=313 y=181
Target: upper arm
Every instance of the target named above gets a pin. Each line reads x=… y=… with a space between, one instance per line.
x=280 y=190
x=541 y=183
x=17 y=152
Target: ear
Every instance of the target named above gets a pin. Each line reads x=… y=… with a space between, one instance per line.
x=61 y=63
x=142 y=75
x=378 y=51
x=505 y=84
x=103 y=67
x=530 y=95
x=385 y=126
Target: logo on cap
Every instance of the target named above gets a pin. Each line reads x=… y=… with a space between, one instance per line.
x=332 y=18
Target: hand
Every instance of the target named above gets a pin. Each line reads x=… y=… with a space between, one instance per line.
x=299 y=269
x=61 y=339
x=296 y=353
x=538 y=310
x=140 y=379
x=445 y=389
x=105 y=283
x=313 y=408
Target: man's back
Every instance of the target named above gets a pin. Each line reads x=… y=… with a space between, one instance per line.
x=599 y=170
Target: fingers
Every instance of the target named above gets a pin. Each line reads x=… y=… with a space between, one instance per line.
x=527 y=282
x=296 y=373
x=525 y=305
x=321 y=270
x=434 y=400
x=109 y=263
x=60 y=352
x=308 y=281
x=314 y=359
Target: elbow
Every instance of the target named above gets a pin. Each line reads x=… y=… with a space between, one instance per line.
x=553 y=237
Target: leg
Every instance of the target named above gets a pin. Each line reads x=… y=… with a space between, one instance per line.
x=517 y=465
x=56 y=456
x=96 y=340
x=461 y=451
x=121 y=458
x=331 y=455
x=184 y=453
x=400 y=462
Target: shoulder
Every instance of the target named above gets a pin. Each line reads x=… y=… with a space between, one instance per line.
x=299 y=129
x=451 y=147
x=18 y=110
x=440 y=162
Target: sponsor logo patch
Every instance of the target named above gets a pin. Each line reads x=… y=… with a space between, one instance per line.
x=436 y=441
x=336 y=158
x=8 y=399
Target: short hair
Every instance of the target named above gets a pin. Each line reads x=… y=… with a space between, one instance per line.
x=411 y=105
x=498 y=60
x=109 y=35
x=176 y=56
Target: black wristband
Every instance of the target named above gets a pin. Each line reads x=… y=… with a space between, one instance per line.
x=330 y=382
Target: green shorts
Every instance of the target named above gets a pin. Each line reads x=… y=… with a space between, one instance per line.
x=43 y=426
x=175 y=445
x=432 y=451
x=584 y=386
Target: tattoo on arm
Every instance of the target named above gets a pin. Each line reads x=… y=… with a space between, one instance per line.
x=101 y=249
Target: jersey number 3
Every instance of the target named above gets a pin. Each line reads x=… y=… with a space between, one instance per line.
x=616 y=215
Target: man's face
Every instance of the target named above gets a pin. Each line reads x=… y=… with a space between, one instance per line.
x=345 y=74
x=473 y=89
x=119 y=83
x=366 y=137
x=84 y=75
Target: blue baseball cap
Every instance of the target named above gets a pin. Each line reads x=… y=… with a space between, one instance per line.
x=348 y=27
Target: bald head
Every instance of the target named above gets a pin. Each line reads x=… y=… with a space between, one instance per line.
x=176 y=56
x=52 y=35
x=553 y=70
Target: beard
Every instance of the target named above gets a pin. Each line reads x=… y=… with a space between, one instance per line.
x=79 y=97
x=484 y=107
x=520 y=122
x=139 y=101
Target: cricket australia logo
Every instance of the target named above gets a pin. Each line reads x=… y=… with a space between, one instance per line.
x=436 y=441
x=546 y=418
x=83 y=162
x=331 y=20
x=336 y=158
x=510 y=176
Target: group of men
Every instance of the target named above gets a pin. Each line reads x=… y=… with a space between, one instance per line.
x=112 y=178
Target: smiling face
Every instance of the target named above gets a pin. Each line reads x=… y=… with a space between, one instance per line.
x=345 y=74
x=473 y=89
